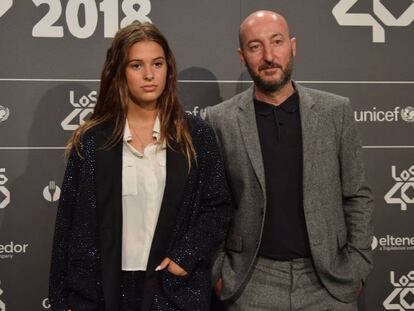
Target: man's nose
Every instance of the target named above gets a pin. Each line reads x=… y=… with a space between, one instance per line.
x=267 y=54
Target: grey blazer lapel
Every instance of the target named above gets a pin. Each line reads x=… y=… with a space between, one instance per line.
x=248 y=127
x=309 y=123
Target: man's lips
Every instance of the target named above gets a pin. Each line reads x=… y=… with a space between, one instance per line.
x=269 y=67
x=269 y=70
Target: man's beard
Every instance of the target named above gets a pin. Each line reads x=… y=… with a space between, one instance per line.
x=274 y=85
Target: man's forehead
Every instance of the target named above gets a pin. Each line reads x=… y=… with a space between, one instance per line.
x=261 y=24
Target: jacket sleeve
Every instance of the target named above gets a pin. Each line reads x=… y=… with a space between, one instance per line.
x=356 y=197
x=211 y=218
x=59 y=262
x=220 y=253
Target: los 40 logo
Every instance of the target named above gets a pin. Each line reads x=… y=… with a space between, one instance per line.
x=47 y=26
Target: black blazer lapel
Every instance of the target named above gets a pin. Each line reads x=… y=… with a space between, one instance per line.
x=177 y=172
x=109 y=210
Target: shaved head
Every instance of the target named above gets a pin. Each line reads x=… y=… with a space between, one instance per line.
x=261 y=16
x=267 y=50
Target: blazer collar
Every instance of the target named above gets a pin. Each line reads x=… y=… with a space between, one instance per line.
x=248 y=127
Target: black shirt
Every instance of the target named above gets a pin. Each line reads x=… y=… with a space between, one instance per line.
x=284 y=234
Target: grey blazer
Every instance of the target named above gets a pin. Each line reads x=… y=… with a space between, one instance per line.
x=337 y=201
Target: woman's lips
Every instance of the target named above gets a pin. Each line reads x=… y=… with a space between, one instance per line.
x=149 y=88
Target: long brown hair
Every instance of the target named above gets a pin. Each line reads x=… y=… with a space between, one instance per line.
x=113 y=93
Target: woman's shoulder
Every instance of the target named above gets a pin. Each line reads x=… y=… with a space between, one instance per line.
x=201 y=132
x=91 y=137
x=197 y=126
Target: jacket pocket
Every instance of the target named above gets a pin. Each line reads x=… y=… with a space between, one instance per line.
x=234 y=243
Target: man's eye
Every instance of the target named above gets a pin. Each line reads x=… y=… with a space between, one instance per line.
x=254 y=47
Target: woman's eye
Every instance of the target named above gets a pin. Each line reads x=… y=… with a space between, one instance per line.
x=158 y=64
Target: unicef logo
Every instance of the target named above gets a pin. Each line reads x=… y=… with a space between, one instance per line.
x=4 y=113
x=407 y=114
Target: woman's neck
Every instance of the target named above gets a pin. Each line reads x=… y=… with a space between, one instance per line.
x=142 y=114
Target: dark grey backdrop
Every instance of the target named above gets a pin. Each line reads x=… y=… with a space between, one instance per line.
x=49 y=77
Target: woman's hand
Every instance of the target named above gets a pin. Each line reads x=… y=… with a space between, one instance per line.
x=173 y=268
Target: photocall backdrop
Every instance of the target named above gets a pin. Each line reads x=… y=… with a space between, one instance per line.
x=51 y=55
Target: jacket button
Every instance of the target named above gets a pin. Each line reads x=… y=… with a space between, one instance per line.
x=262 y=211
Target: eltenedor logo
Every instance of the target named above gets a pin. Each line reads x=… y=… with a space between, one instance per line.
x=392 y=243
x=7 y=251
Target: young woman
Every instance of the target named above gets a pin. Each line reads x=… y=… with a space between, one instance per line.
x=144 y=200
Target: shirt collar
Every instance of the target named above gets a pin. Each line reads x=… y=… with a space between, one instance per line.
x=156 y=130
x=291 y=105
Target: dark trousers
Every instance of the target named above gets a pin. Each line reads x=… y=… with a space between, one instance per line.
x=132 y=290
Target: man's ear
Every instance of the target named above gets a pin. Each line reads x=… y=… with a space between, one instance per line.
x=293 y=45
x=240 y=52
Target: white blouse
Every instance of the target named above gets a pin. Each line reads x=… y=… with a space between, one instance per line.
x=143 y=183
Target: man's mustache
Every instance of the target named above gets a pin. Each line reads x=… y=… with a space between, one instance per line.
x=269 y=66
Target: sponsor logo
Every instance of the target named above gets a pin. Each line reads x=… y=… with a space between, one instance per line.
x=4 y=192
x=197 y=111
x=406 y=114
x=51 y=192
x=5 y=5
x=402 y=296
x=7 y=251
x=402 y=192
x=392 y=243
x=84 y=106
x=4 y=113
x=2 y=304
x=344 y=18
x=46 y=303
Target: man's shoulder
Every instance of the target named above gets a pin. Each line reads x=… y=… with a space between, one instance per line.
x=323 y=98
x=231 y=103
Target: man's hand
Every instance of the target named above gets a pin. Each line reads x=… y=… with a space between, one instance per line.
x=218 y=286
x=173 y=268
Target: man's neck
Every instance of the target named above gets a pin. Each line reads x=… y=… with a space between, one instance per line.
x=275 y=98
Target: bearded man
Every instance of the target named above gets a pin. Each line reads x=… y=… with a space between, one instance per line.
x=302 y=228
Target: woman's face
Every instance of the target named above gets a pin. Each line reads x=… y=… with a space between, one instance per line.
x=146 y=73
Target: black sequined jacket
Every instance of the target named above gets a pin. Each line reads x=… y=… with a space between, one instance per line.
x=195 y=212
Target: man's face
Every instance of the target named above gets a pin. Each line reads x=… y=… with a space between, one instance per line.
x=267 y=51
